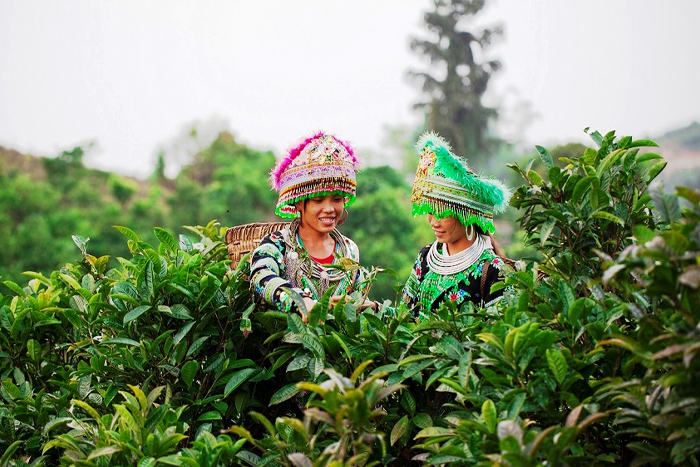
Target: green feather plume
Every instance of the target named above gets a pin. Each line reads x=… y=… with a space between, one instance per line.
x=483 y=189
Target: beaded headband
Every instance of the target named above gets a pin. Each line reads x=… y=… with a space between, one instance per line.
x=445 y=186
x=320 y=165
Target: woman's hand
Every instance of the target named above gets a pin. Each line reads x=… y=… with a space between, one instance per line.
x=310 y=303
x=335 y=299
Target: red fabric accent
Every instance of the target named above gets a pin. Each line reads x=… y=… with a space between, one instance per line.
x=327 y=260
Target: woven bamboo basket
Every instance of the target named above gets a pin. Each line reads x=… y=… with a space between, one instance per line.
x=242 y=239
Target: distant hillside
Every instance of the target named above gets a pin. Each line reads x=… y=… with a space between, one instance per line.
x=681 y=150
x=45 y=201
x=13 y=161
x=688 y=137
x=35 y=167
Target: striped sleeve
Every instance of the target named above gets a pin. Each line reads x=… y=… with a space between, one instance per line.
x=267 y=274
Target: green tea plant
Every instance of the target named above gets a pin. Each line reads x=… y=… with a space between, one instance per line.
x=169 y=317
x=164 y=359
x=554 y=361
x=660 y=407
x=339 y=427
x=590 y=203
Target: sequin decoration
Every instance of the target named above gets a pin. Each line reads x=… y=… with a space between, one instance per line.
x=321 y=165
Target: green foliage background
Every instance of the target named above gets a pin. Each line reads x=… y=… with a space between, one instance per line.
x=56 y=198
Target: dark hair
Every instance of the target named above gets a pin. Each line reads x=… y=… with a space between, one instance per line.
x=496 y=246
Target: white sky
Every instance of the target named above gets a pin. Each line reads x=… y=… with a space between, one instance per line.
x=132 y=76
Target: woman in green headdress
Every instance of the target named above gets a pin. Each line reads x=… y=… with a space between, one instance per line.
x=464 y=261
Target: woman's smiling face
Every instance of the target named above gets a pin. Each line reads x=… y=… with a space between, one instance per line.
x=448 y=229
x=321 y=213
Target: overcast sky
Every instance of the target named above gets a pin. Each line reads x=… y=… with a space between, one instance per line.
x=131 y=76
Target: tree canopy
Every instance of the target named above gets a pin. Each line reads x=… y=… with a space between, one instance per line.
x=458 y=78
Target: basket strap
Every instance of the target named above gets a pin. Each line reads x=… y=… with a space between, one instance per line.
x=484 y=272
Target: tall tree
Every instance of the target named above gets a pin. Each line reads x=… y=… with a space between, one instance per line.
x=460 y=73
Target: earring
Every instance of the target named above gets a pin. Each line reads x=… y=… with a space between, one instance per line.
x=470 y=232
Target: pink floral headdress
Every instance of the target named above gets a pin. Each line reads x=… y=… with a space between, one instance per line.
x=320 y=165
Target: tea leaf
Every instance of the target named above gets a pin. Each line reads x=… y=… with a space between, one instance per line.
x=166 y=239
x=608 y=217
x=399 y=429
x=557 y=364
x=488 y=414
x=237 y=379
x=284 y=393
x=135 y=313
x=545 y=156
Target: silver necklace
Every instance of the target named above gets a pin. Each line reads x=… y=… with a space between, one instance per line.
x=446 y=265
x=301 y=265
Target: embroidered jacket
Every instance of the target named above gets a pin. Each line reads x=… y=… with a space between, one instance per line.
x=425 y=290
x=280 y=261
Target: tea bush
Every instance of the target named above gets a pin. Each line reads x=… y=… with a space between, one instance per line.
x=590 y=359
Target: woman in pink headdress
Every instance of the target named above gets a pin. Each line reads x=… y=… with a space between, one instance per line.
x=315 y=182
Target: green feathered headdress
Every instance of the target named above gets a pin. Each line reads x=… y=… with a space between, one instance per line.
x=446 y=187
